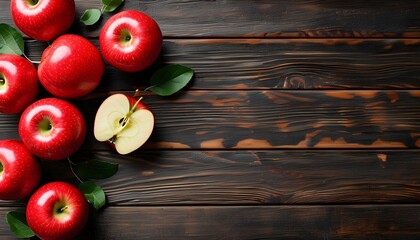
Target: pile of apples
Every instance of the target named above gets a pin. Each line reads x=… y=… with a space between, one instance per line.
x=53 y=128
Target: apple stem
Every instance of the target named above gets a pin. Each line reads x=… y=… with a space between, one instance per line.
x=148 y=88
x=135 y=105
x=34 y=62
x=72 y=170
x=63 y=209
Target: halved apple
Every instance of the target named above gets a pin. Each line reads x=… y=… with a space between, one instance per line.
x=124 y=121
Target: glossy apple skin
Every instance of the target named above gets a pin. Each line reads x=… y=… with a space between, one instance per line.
x=44 y=21
x=144 y=45
x=19 y=83
x=71 y=67
x=42 y=211
x=21 y=171
x=67 y=133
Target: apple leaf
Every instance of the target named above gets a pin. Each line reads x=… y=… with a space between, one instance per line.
x=111 y=5
x=170 y=79
x=94 y=169
x=18 y=225
x=93 y=193
x=11 y=40
x=90 y=16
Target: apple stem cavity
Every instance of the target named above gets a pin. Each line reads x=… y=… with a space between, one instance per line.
x=60 y=207
x=33 y=3
x=125 y=37
x=45 y=126
x=2 y=81
x=63 y=209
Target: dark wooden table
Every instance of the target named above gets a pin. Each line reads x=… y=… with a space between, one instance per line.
x=302 y=122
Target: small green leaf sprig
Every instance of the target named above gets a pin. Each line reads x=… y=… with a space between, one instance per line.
x=92 y=16
x=93 y=169
x=170 y=79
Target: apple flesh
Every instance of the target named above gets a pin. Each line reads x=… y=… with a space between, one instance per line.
x=71 y=67
x=43 y=20
x=123 y=121
x=52 y=128
x=20 y=172
x=57 y=210
x=130 y=41
x=18 y=83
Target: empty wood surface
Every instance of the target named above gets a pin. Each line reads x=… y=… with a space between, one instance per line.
x=247 y=18
x=302 y=122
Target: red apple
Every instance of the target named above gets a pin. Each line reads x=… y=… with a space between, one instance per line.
x=52 y=128
x=43 y=19
x=20 y=172
x=123 y=121
x=71 y=67
x=130 y=41
x=18 y=83
x=57 y=210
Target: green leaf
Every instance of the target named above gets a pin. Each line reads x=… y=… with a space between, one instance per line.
x=95 y=169
x=111 y=5
x=18 y=225
x=90 y=16
x=93 y=193
x=170 y=79
x=11 y=41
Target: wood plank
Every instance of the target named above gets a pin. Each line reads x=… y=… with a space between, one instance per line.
x=279 y=64
x=249 y=18
x=283 y=222
x=247 y=222
x=271 y=119
x=253 y=177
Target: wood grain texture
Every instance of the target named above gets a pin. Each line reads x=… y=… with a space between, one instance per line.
x=255 y=177
x=251 y=177
x=271 y=119
x=295 y=222
x=247 y=18
x=279 y=64
x=247 y=222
